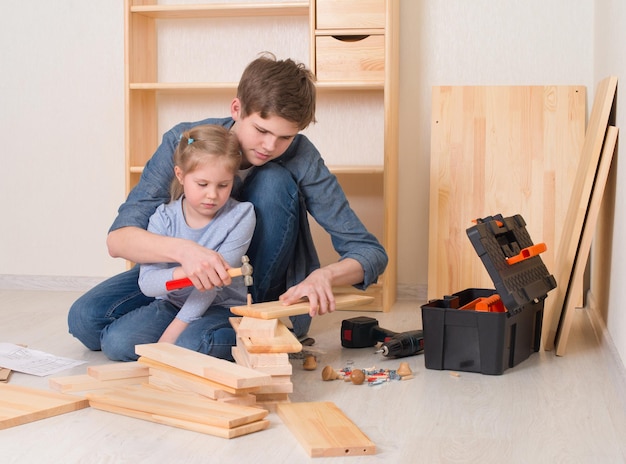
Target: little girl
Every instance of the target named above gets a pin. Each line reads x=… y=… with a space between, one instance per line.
x=206 y=162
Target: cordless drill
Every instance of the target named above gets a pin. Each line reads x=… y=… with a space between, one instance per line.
x=363 y=332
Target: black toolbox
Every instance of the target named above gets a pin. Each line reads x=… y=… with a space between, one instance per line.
x=485 y=330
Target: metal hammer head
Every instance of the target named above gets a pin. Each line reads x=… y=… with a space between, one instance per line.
x=246 y=271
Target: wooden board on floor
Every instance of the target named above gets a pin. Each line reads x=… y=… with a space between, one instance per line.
x=20 y=405
x=499 y=149
x=283 y=342
x=85 y=382
x=179 y=406
x=275 y=309
x=577 y=208
x=324 y=430
x=217 y=370
x=222 y=432
x=588 y=233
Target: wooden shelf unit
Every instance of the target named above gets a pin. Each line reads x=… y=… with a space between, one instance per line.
x=367 y=29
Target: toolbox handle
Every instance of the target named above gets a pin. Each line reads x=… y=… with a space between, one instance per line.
x=526 y=253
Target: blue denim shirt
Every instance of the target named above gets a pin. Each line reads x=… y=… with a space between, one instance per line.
x=320 y=195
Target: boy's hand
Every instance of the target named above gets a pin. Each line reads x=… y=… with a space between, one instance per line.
x=205 y=268
x=317 y=288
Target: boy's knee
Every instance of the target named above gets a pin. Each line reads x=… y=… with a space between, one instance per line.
x=81 y=325
x=117 y=348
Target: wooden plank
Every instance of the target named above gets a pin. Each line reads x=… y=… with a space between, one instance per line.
x=222 y=432
x=578 y=205
x=179 y=406
x=20 y=405
x=211 y=368
x=499 y=149
x=283 y=342
x=586 y=239
x=4 y=374
x=275 y=309
x=255 y=327
x=85 y=382
x=120 y=370
x=324 y=430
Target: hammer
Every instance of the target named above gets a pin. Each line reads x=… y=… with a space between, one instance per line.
x=245 y=270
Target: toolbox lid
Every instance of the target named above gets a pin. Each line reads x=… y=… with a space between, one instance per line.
x=512 y=260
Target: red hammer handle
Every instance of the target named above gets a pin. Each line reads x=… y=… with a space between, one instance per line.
x=185 y=282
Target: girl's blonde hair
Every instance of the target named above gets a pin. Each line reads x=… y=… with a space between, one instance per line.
x=201 y=144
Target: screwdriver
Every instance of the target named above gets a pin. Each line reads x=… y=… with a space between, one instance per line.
x=403 y=344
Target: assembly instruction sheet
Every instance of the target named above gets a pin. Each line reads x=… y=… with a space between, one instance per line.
x=33 y=362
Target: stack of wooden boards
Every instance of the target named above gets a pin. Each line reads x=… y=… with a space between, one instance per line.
x=177 y=387
x=518 y=150
x=264 y=342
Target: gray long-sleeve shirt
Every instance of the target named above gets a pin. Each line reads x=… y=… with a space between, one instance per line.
x=228 y=233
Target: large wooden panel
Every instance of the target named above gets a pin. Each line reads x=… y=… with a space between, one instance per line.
x=509 y=150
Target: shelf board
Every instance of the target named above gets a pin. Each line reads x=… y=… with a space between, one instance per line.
x=353 y=169
x=344 y=86
x=337 y=169
x=215 y=10
x=182 y=86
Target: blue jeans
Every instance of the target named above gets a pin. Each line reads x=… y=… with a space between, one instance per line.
x=114 y=316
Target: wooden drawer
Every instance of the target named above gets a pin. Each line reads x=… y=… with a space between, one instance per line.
x=350 y=14
x=350 y=58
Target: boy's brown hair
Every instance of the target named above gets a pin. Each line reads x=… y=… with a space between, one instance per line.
x=282 y=88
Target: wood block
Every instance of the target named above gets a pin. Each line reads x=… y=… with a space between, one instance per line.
x=286 y=387
x=275 y=309
x=180 y=406
x=121 y=370
x=84 y=382
x=20 y=405
x=217 y=370
x=4 y=374
x=243 y=358
x=256 y=360
x=283 y=342
x=324 y=430
x=217 y=431
x=254 y=327
x=272 y=397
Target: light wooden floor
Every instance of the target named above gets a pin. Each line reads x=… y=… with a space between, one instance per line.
x=545 y=410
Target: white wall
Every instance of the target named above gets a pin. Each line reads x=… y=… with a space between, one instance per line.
x=61 y=116
x=62 y=123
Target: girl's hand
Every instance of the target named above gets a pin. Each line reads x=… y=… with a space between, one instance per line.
x=205 y=268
